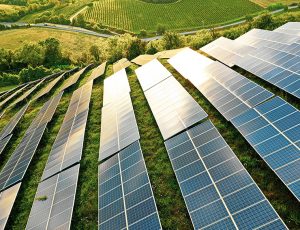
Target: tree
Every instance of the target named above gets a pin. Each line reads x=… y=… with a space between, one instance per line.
x=79 y=20
x=135 y=48
x=31 y=54
x=52 y=49
x=172 y=40
x=95 y=52
x=143 y=33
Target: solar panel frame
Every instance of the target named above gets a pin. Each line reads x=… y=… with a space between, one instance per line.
x=7 y=200
x=6 y=100
x=124 y=192
x=143 y=59
x=214 y=183
x=121 y=64
x=68 y=145
x=98 y=71
x=56 y=211
x=3 y=142
x=74 y=78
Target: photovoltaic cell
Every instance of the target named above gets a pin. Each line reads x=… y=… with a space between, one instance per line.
x=8 y=129
x=173 y=107
x=125 y=195
x=16 y=167
x=118 y=127
x=273 y=130
x=151 y=74
x=3 y=142
x=115 y=87
x=218 y=191
x=166 y=54
x=54 y=201
x=7 y=200
x=6 y=100
x=67 y=148
x=98 y=71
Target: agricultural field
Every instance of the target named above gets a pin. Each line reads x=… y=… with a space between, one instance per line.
x=135 y=15
x=266 y=3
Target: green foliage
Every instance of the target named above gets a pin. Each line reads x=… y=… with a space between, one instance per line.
x=95 y=52
x=31 y=54
x=276 y=6
x=33 y=73
x=172 y=40
x=160 y=29
x=52 y=51
x=42 y=198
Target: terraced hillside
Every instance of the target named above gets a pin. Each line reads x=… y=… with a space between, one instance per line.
x=185 y=14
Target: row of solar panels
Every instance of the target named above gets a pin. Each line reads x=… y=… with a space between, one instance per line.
x=271 y=125
x=218 y=191
x=54 y=200
x=126 y=199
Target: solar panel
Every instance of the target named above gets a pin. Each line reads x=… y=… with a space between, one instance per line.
x=218 y=191
x=6 y=100
x=8 y=129
x=151 y=74
x=118 y=127
x=6 y=93
x=16 y=167
x=7 y=200
x=115 y=86
x=54 y=201
x=121 y=64
x=49 y=87
x=273 y=130
x=126 y=199
x=74 y=78
x=27 y=93
x=3 y=142
x=173 y=107
x=166 y=54
x=143 y=59
x=2 y=113
x=227 y=90
x=97 y=72
x=67 y=148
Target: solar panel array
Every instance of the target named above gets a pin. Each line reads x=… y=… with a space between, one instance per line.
x=143 y=59
x=218 y=191
x=10 y=97
x=16 y=167
x=166 y=54
x=118 y=127
x=7 y=200
x=98 y=71
x=172 y=106
x=49 y=87
x=151 y=74
x=54 y=201
x=273 y=130
x=292 y=28
x=125 y=195
x=121 y=64
x=115 y=87
x=27 y=93
x=74 y=78
x=227 y=90
x=272 y=56
x=6 y=133
x=67 y=148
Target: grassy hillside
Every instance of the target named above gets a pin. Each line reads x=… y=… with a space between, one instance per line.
x=134 y=15
x=73 y=43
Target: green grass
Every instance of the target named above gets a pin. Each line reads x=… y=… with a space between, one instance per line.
x=134 y=15
x=8 y=87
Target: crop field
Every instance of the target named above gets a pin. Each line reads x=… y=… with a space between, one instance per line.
x=135 y=15
x=266 y=3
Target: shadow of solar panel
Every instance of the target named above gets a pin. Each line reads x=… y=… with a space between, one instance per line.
x=217 y=189
x=7 y=200
x=115 y=86
x=151 y=74
x=173 y=108
x=272 y=129
x=67 y=148
x=16 y=167
x=98 y=71
x=118 y=127
x=125 y=194
x=8 y=129
x=54 y=201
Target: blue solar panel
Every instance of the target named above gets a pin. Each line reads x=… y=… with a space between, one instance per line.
x=125 y=194
x=218 y=191
x=272 y=129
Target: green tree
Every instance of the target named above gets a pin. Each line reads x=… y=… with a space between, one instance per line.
x=160 y=29
x=95 y=52
x=52 y=49
x=172 y=40
x=31 y=54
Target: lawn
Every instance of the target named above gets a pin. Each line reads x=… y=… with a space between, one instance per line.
x=135 y=15
x=72 y=43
